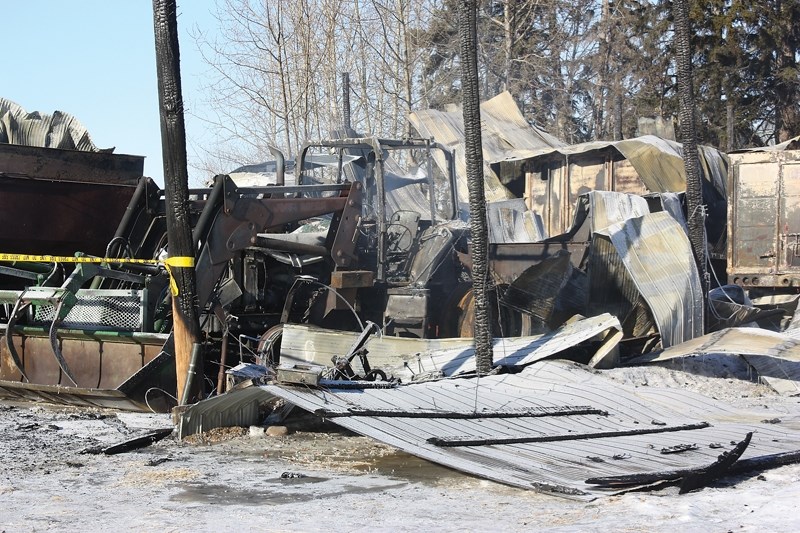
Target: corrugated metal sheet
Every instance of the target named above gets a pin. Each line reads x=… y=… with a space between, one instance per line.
x=512 y=221
x=657 y=254
x=551 y=427
x=607 y=208
x=59 y=130
x=404 y=357
x=519 y=351
x=238 y=407
x=316 y=345
x=775 y=356
x=612 y=290
x=505 y=133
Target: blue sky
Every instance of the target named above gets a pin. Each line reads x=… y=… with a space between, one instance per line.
x=95 y=59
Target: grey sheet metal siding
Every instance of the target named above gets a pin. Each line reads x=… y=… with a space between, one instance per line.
x=570 y=448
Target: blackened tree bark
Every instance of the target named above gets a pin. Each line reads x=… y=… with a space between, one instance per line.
x=186 y=326
x=477 y=200
x=688 y=132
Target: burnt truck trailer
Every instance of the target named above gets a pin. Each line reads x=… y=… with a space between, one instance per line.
x=764 y=220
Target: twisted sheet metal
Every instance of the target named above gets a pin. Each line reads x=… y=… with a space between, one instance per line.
x=657 y=255
x=403 y=357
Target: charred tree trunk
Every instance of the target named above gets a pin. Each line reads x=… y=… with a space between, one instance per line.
x=688 y=132
x=477 y=200
x=186 y=326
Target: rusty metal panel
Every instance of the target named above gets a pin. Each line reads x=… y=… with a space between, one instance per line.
x=59 y=217
x=789 y=222
x=119 y=362
x=40 y=363
x=70 y=165
x=150 y=352
x=349 y=279
x=83 y=360
x=8 y=369
x=78 y=397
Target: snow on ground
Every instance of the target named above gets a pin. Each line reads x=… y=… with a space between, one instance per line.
x=227 y=480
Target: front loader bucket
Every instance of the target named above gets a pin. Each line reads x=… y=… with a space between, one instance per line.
x=130 y=370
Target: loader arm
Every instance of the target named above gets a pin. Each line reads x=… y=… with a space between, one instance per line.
x=239 y=219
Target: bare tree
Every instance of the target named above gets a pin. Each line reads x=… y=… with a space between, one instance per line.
x=276 y=71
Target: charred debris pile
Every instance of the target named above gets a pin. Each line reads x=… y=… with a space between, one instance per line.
x=339 y=283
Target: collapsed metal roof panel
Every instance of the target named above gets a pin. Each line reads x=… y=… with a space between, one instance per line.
x=512 y=221
x=505 y=133
x=518 y=351
x=609 y=207
x=659 y=162
x=552 y=427
x=237 y=408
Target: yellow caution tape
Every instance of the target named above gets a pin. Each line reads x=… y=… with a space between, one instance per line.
x=169 y=263
x=67 y=259
x=179 y=262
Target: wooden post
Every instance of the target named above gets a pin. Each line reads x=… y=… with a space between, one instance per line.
x=473 y=152
x=186 y=327
x=688 y=135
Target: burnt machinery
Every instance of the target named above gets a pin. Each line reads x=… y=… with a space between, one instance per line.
x=375 y=236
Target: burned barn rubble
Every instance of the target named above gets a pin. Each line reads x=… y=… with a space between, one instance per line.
x=346 y=294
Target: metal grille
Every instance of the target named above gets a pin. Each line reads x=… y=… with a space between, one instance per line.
x=100 y=309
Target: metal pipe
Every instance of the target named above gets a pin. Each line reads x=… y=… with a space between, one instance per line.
x=431 y=184
x=122 y=229
x=214 y=197
x=376 y=147
x=288 y=246
x=223 y=355
x=280 y=165
x=346 y=102
x=449 y=157
x=190 y=374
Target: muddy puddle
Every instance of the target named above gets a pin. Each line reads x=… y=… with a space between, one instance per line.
x=275 y=494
